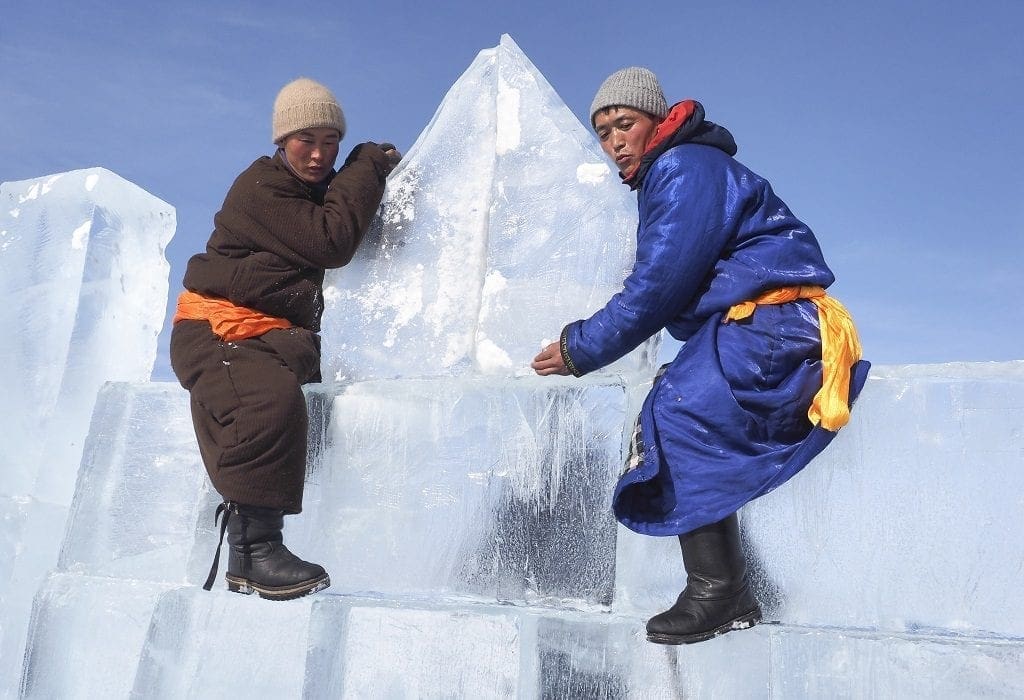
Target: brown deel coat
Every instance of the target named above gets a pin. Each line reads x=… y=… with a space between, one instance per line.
x=272 y=241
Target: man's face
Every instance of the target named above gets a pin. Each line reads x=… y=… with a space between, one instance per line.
x=312 y=152
x=624 y=133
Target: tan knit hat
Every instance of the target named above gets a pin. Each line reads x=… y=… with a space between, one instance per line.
x=305 y=104
x=630 y=87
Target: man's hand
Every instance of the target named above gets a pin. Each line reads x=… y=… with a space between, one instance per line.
x=549 y=361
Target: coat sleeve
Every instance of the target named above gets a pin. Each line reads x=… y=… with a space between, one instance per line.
x=327 y=236
x=684 y=230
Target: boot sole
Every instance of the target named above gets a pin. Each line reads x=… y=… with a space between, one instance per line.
x=247 y=587
x=740 y=623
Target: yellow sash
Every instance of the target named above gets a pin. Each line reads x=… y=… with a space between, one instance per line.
x=228 y=321
x=840 y=350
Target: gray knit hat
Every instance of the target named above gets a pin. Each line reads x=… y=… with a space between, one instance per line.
x=305 y=104
x=630 y=87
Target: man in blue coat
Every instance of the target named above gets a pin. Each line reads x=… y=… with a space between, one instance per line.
x=770 y=363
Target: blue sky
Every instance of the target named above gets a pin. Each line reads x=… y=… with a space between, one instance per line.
x=892 y=128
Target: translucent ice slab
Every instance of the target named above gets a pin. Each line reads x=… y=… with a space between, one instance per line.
x=492 y=487
x=142 y=488
x=86 y=636
x=84 y=283
x=503 y=223
x=222 y=645
x=30 y=534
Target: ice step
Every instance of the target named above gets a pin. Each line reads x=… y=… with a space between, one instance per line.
x=902 y=524
x=220 y=644
x=96 y=637
x=142 y=500
x=420 y=486
x=30 y=538
x=500 y=491
x=86 y=636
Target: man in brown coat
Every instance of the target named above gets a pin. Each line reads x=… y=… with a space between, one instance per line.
x=245 y=332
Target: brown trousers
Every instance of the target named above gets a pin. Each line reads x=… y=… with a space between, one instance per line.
x=248 y=409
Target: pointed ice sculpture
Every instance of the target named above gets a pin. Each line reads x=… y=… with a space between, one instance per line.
x=83 y=280
x=503 y=223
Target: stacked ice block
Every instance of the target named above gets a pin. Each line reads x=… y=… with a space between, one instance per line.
x=461 y=504
x=84 y=286
x=465 y=525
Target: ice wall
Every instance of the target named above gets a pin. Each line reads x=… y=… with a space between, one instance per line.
x=503 y=223
x=84 y=283
x=465 y=525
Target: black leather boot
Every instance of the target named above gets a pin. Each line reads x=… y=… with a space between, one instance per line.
x=258 y=561
x=717 y=598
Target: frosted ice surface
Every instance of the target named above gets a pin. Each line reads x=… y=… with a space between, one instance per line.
x=223 y=645
x=30 y=533
x=498 y=488
x=820 y=664
x=141 y=488
x=409 y=653
x=84 y=283
x=503 y=223
x=86 y=637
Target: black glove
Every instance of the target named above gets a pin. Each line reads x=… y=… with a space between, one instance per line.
x=394 y=157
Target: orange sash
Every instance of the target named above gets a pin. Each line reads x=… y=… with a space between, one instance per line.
x=840 y=350
x=228 y=321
